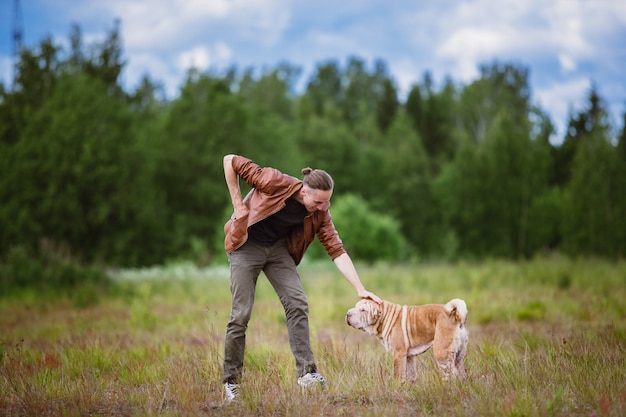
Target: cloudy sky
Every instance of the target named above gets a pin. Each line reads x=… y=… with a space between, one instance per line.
x=566 y=44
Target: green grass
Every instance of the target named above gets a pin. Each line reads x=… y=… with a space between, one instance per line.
x=547 y=338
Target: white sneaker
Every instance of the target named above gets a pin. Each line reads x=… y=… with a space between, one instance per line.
x=231 y=391
x=311 y=378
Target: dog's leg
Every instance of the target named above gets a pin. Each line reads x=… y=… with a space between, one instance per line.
x=411 y=372
x=445 y=361
x=460 y=366
x=399 y=365
x=445 y=355
x=459 y=361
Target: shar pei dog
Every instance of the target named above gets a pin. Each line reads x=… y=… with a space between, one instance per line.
x=408 y=331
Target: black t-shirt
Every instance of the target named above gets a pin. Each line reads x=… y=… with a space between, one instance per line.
x=270 y=230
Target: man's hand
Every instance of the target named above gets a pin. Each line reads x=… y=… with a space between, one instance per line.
x=240 y=211
x=370 y=295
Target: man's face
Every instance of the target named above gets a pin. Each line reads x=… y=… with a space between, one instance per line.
x=316 y=199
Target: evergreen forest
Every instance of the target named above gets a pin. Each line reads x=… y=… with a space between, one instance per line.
x=104 y=176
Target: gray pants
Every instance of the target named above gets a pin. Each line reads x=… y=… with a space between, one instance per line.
x=246 y=263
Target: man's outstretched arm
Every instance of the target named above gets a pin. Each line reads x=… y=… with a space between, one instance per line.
x=346 y=267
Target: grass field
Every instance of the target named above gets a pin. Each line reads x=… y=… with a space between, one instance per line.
x=547 y=338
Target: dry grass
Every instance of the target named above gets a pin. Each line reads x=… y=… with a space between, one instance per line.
x=547 y=338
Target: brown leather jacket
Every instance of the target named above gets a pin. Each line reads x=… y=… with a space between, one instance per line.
x=270 y=189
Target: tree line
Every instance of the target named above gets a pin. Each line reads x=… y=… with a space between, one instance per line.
x=107 y=176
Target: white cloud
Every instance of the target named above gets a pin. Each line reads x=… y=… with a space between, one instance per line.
x=6 y=71
x=197 y=58
x=405 y=73
x=478 y=31
x=333 y=43
x=559 y=99
x=467 y=47
x=566 y=31
x=202 y=58
x=222 y=53
x=167 y=37
x=566 y=62
x=161 y=24
x=262 y=22
x=171 y=73
x=160 y=71
x=166 y=22
x=565 y=24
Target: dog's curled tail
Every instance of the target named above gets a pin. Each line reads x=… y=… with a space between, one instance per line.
x=458 y=309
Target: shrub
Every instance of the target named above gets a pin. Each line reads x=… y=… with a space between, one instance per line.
x=367 y=235
x=44 y=271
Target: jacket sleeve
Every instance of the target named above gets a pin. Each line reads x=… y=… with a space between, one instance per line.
x=265 y=180
x=328 y=236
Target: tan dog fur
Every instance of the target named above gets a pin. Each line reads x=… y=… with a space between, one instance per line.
x=412 y=332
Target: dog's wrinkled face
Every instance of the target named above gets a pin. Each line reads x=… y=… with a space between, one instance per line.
x=364 y=316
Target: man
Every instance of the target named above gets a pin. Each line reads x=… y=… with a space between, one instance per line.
x=269 y=231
